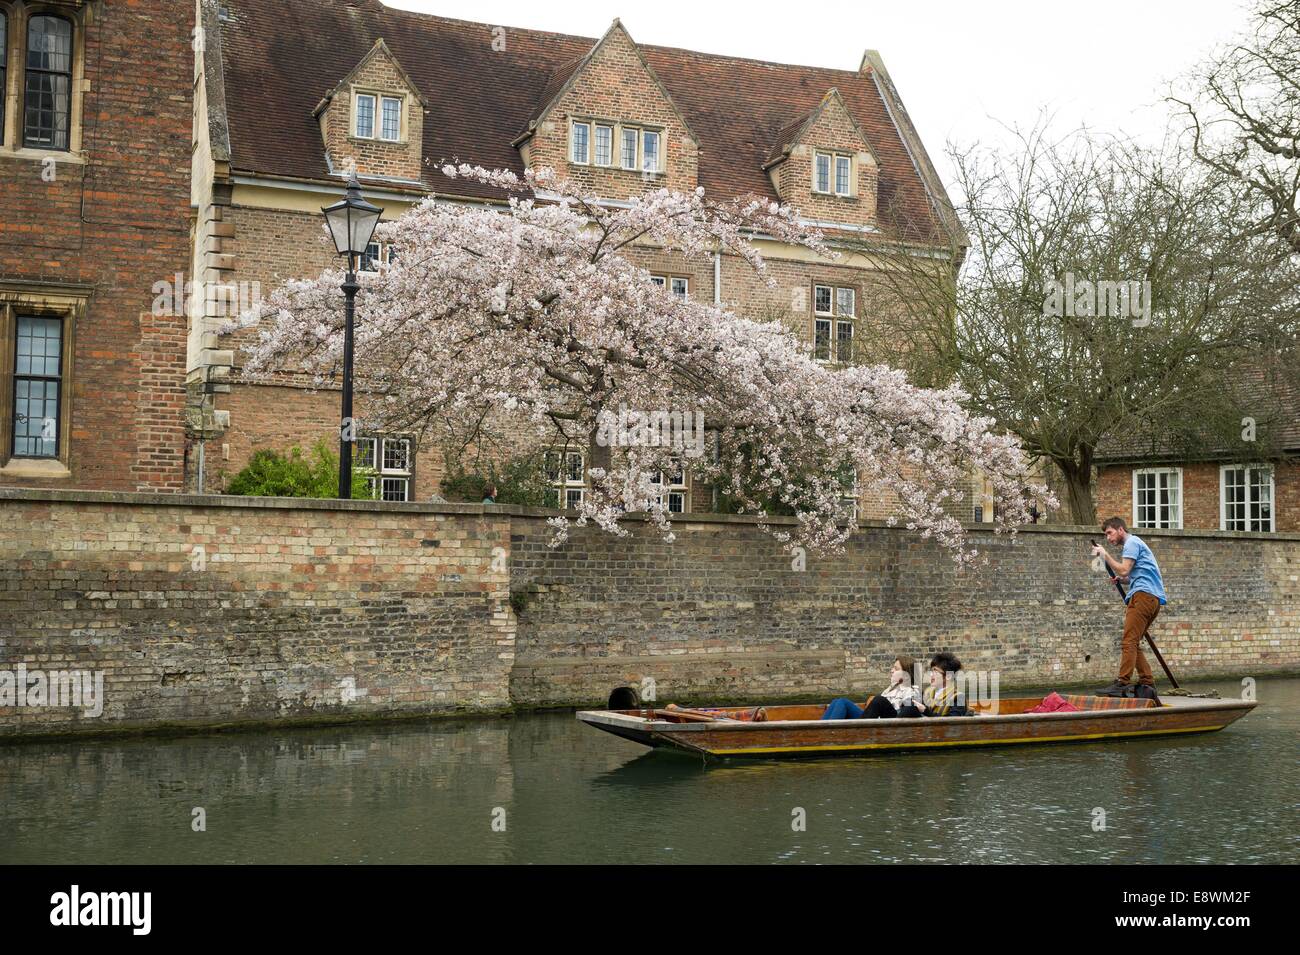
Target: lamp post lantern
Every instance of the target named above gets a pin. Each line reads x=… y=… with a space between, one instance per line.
x=352 y=223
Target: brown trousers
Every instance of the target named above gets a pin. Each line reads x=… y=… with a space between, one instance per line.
x=1142 y=611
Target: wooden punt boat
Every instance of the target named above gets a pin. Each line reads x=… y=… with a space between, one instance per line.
x=799 y=731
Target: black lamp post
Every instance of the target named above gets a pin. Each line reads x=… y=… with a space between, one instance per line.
x=352 y=223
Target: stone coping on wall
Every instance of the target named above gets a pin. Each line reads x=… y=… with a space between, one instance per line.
x=155 y=499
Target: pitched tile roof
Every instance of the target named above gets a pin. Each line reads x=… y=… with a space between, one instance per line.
x=280 y=59
x=1266 y=392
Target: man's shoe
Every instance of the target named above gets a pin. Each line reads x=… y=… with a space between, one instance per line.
x=1117 y=688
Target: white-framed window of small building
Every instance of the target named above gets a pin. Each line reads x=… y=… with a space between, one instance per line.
x=391 y=460
x=674 y=488
x=1246 y=498
x=566 y=473
x=679 y=285
x=1158 y=497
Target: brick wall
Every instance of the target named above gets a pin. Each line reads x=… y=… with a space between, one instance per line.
x=342 y=610
x=285 y=613
x=117 y=222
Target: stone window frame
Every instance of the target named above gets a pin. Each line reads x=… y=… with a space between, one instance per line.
x=832 y=184
x=377 y=118
x=1272 y=497
x=1182 y=500
x=63 y=301
x=19 y=14
x=619 y=128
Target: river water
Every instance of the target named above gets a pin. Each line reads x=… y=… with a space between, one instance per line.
x=544 y=788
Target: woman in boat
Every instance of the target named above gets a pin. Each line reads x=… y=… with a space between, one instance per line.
x=940 y=697
x=900 y=698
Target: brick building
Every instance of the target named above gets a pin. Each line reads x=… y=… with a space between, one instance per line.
x=1250 y=482
x=396 y=94
x=94 y=222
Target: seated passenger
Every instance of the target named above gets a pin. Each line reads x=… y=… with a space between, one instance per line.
x=940 y=698
x=900 y=698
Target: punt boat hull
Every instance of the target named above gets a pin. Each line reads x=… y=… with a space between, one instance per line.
x=792 y=731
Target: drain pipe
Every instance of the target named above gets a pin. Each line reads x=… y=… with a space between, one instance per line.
x=717 y=300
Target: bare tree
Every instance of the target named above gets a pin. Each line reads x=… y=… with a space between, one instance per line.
x=1243 y=111
x=1109 y=299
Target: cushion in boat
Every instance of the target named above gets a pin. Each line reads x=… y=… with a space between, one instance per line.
x=1108 y=702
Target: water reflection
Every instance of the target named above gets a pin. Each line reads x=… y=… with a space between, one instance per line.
x=427 y=793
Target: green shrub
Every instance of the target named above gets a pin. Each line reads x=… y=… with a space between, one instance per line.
x=295 y=474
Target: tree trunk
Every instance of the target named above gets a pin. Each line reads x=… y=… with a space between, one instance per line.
x=1078 y=487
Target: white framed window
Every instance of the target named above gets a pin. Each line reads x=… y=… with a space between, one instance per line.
x=822 y=172
x=673 y=486
x=390 y=459
x=365 y=124
x=848 y=478
x=844 y=341
x=833 y=334
x=1246 y=498
x=843 y=175
x=580 y=148
x=822 y=339
x=371 y=258
x=845 y=312
x=822 y=300
x=604 y=145
x=846 y=302
x=833 y=174
x=390 y=125
x=650 y=141
x=679 y=285
x=566 y=471
x=630 y=139
x=1158 y=497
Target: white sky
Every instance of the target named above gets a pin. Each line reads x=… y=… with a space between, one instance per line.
x=963 y=67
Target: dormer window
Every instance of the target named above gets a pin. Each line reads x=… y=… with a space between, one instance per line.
x=604 y=145
x=390 y=127
x=629 y=148
x=593 y=143
x=649 y=151
x=386 y=109
x=365 y=116
x=833 y=174
x=581 y=143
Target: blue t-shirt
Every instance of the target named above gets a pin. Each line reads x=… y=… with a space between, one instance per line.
x=1145 y=574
